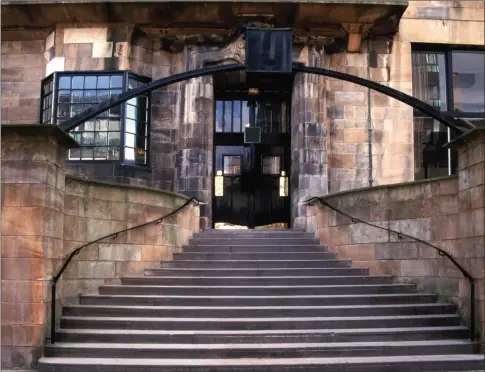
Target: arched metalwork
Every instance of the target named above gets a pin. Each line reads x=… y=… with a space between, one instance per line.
x=421 y=106
x=120 y=98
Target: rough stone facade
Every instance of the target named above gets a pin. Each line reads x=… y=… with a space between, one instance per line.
x=447 y=212
x=46 y=215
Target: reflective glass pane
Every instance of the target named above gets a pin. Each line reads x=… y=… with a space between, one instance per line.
x=114 y=125
x=64 y=96
x=87 y=138
x=245 y=114
x=232 y=165
x=468 y=81
x=227 y=116
x=77 y=82
x=429 y=78
x=116 y=81
x=140 y=156
x=219 y=113
x=114 y=153
x=130 y=126
x=100 y=153
x=63 y=110
x=103 y=95
x=90 y=96
x=115 y=111
x=130 y=112
x=236 y=116
x=77 y=96
x=141 y=129
x=129 y=153
x=103 y=82
x=102 y=125
x=129 y=139
x=114 y=138
x=87 y=153
x=76 y=109
x=115 y=92
x=65 y=82
x=271 y=165
x=90 y=82
x=101 y=138
x=89 y=126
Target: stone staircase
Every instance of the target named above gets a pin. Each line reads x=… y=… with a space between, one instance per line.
x=251 y=300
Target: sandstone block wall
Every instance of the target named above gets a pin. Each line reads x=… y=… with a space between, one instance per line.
x=431 y=210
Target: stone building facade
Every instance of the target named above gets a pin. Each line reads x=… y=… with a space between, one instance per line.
x=334 y=136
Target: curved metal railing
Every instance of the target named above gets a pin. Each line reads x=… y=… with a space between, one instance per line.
x=75 y=252
x=440 y=251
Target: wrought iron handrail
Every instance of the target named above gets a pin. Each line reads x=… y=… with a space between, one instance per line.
x=75 y=252
x=441 y=252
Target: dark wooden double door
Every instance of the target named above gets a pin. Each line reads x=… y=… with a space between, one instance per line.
x=252 y=195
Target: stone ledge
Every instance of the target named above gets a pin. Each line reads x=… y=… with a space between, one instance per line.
x=47 y=130
x=468 y=137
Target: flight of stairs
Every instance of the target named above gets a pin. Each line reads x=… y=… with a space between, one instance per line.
x=259 y=300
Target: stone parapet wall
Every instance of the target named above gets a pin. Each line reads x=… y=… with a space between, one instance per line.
x=431 y=210
x=94 y=209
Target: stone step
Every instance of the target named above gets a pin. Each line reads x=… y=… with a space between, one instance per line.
x=257 y=311
x=266 y=336
x=255 y=256
x=216 y=248
x=258 y=323
x=267 y=350
x=254 y=234
x=256 y=290
x=262 y=272
x=302 y=300
x=453 y=362
x=254 y=242
x=255 y=264
x=255 y=280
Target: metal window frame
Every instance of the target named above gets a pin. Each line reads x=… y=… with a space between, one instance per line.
x=126 y=75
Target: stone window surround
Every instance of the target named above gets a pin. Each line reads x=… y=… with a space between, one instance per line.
x=447 y=50
x=127 y=76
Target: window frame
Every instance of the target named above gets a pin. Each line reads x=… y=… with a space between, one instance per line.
x=126 y=75
x=447 y=50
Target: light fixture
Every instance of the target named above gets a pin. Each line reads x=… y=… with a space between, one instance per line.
x=219 y=184
x=283 y=184
x=253 y=91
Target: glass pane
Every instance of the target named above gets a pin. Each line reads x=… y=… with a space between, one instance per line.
x=76 y=109
x=100 y=153
x=77 y=96
x=103 y=82
x=130 y=112
x=90 y=96
x=129 y=153
x=114 y=125
x=116 y=81
x=103 y=95
x=63 y=110
x=271 y=165
x=87 y=138
x=102 y=125
x=74 y=154
x=132 y=84
x=468 y=81
x=115 y=92
x=219 y=113
x=87 y=153
x=129 y=140
x=140 y=142
x=141 y=129
x=46 y=87
x=90 y=82
x=140 y=156
x=64 y=96
x=130 y=126
x=114 y=154
x=101 y=138
x=232 y=165
x=77 y=82
x=89 y=126
x=76 y=136
x=429 y=78
x=227 y=116
x=114 y=138
x=236 y=116
x=245 y=114
x=65 y=82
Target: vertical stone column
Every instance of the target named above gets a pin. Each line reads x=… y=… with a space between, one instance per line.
x=308 y=137
x=195 y=155
x=33 y=159
x=471 y=223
